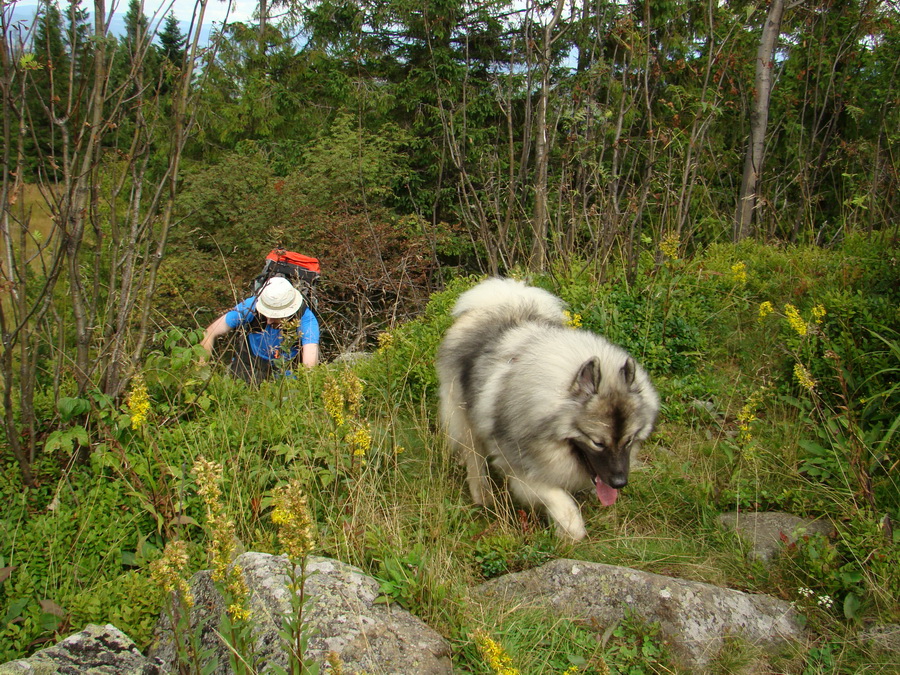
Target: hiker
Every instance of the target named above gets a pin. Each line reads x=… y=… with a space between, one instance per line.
x=262 y=316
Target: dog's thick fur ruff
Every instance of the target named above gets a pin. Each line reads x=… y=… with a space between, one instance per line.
x=554 y=409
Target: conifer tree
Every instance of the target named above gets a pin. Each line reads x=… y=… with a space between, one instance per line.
x=77 y=38
x=172 y=40
x=49 y=83
x=49 y=47
x=136 y=22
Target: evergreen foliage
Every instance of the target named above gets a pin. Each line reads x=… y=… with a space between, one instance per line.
x=172 y=41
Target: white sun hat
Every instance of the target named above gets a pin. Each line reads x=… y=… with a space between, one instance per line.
x=278 y=299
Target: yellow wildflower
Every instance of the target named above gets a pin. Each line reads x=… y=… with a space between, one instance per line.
x=334 y=401
x=572 y=319
x=334 y=660
x=818 y=313
x=208 y=476
x=795 y=320
x=169 y=571
x=138 y=402
x=222 y=543
x=670 y=245
x=236 y=587
x=221 y=528
x=288 y=326
x=295 y=525
x=765 y=308
x=804 y=377
x=360 y=439
x=385 y=340
x=493 y=652
x=222 y=539
x=354 y=392
x=747 y=416
x=739 y=273
x=238 y=612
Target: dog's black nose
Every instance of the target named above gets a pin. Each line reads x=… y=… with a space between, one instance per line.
x=618 y=481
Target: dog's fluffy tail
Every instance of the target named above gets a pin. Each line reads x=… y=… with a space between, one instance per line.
x=496 y=293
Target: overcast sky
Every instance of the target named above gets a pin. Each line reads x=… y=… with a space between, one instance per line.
x=215 y=9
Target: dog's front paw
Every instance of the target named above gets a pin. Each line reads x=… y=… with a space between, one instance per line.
x=573 y=530
x=569 y=523
x=482 y=494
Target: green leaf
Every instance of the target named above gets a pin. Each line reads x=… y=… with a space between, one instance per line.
x=851 y=606
x=14 y=611
x=812 y=447
x=80 y=434
x=210 y=666
x=852 y=576
x=55 y=441
x=70 y=408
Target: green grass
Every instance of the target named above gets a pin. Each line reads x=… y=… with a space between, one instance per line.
x=86 y=536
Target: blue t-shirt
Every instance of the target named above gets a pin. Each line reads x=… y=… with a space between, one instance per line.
x=266 y=344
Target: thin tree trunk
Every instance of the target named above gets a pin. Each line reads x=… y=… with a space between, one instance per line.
x=263 y=20
x=541 y=223
x=759 y=119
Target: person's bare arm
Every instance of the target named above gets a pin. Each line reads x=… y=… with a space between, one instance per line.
x=215 y=330
x=310 y=355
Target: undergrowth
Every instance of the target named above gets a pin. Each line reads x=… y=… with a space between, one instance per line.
x=778 y=370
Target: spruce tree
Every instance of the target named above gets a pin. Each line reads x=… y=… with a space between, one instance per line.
x=77 y=39
x=136 y=23
x=49 y=47
x=50 y=81
x=172 y=41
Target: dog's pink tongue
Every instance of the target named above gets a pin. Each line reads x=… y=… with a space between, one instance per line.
x=605 y=494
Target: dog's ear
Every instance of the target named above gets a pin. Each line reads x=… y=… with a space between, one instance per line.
x=628 y=371
x=587 y=381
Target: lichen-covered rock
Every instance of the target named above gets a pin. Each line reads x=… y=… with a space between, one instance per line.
x=97 y=650
x=768 y=531
x=341 y=613
x=696 y=618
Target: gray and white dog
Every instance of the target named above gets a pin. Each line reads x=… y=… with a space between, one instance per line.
x=554 y=409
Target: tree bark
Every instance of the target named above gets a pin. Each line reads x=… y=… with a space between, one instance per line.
x=540 y=224
x=759 y=118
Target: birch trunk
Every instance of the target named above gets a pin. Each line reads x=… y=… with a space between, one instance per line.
x=759 y=119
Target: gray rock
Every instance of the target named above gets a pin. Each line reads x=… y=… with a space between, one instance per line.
x=341 y=613
x=696 y=618
x=886 y=637
x=766 y=531
x=97 y=650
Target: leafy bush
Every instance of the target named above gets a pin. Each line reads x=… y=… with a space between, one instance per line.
x=499 y=554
